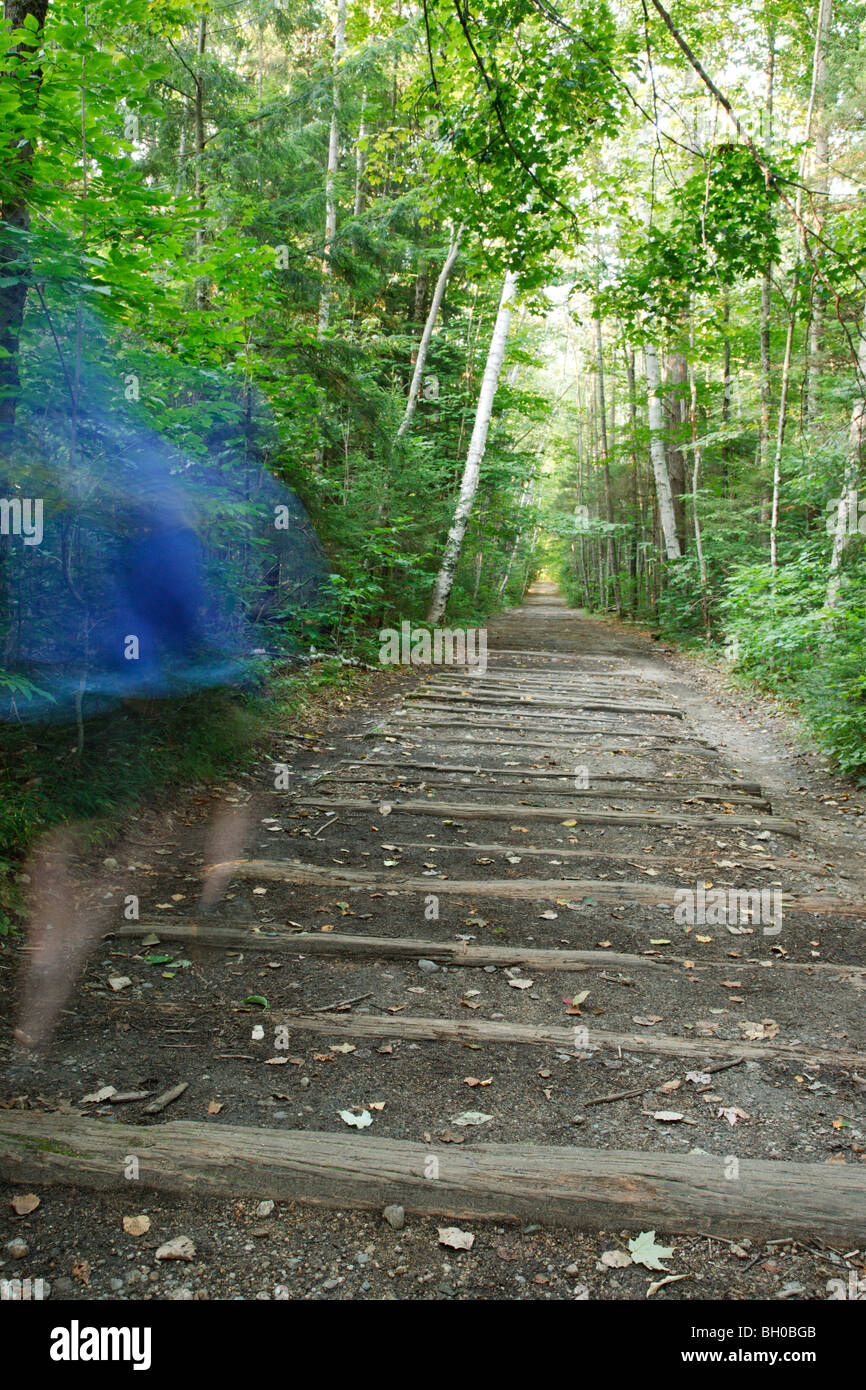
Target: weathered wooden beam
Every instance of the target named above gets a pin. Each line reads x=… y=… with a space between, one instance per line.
x=561 y=728
x=581 y=1188
x=469 y=811
x=547 y=709
x=454 y=695
x=602 y=890
x=252 y=937
x=533 y=1034
x=539 y=773
x=665 y=792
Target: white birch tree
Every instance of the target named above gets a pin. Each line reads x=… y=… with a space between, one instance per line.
x=331 y=173
x=432 y=316
x=475 y=454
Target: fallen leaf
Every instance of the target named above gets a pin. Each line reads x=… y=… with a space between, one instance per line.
x=732 y=1113
x=96 y=1097
x=471 y=1117
x=615 y=1259
x=357 y=1121
x=667 y=1116
x=215 y=1106
x=25 y=1203
x=758 y=1032
x=136 y=1225
x=644 y=1251
x=455 y=1239
x=660 y=1283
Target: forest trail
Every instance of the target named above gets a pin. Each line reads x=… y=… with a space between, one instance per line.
x=492 y=982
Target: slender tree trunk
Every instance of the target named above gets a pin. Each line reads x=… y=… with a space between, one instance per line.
x=15 y=213
x=198 y=125
x=780 y=433
x=697 y=460
x=820 y=183
x=677 y=378
x=331 y=173
x=846 y=507
x=726 y=395
x=632 y=413
x=664 y=496
x=424 y=345
x=792 y=319
x=360 y=160
x=766 y=281
x=469 y=485
x=605 y=459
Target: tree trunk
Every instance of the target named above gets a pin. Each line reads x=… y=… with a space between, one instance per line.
x=632 y=412
x=360 y=160
x=664 y=495
x=331 y=173
x=198 y=124
x=424 y=345
x=605 y=461
x=820 y=183
x=15 y=214
x=766 y=281
x=693 y=416
x=846 y=507
x=469 y=485
x=726 y=396
x=677 y=378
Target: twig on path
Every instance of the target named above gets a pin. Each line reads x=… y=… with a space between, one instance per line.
x=630 y=1095
x=341 y=1004
x=318 y=832
x=166 y=1098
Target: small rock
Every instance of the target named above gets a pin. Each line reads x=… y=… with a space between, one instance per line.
x=63 y=1287
x=395 y=1216
x=183 y=1295
x=265 y=1208
x=428 y=967
x=116 y=1284
x=490 y=969
x=18 y=1249
x=181 y=1248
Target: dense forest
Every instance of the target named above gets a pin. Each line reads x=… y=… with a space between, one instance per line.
x=572 y=289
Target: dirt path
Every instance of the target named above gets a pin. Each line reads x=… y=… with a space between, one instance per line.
x=515 y=842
